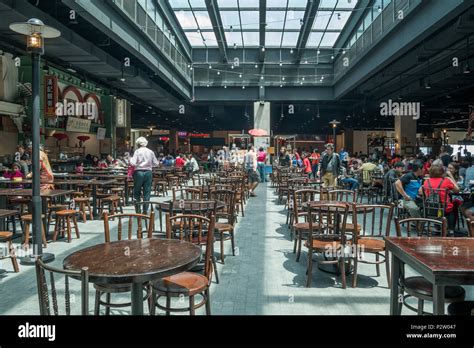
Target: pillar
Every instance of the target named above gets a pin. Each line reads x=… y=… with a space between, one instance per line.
x=261 y=120
x=174 y=142
x=405 y=133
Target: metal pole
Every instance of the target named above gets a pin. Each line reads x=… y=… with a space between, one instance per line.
x=36 y=198
x=334 y=137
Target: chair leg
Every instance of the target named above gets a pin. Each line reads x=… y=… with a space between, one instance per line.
x=26 y=237
x=168 y=304
x=16 y=268
x=208 y=302
x=387 y=268
x=377 y=266
x=309 y=269
x=82 y=208
x=222 y=248
x=192 y=310
x=354 y=275
x=56 y=228
x=420 y=307
x=107 y=300
x=97 y=303
x=74 y=220
x=68 y=229
x=43 y=236
x=343 y=272
x=90 y=211
x=300 y=241
x=232 y=241
x=295 y=236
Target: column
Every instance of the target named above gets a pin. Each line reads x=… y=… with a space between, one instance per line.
x=405 y=133
x=174 y=144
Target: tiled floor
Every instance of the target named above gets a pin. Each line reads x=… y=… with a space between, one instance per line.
x=263 y=278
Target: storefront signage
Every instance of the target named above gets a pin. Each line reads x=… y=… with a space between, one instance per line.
x=199 y=135
x=50 y=95
x=75 y=124
x=161 y=131
x=182 y=134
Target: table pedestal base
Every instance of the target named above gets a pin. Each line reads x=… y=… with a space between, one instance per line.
x=334 y=269
x=31 y=259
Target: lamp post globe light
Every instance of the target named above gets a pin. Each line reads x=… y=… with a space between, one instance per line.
x=334 y=124
x=36 y=31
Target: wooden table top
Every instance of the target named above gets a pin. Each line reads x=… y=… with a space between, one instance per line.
x=437 y=254
x=7 y=213
x=117 y=176
x=65 y=182
x=134 y=261
x=29 y=192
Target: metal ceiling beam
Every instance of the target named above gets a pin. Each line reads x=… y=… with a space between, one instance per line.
x=308 y=21
x=216 y=20
x=263 y=25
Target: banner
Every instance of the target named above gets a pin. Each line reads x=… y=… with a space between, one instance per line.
x=75 y=124
x=101 y=133
x=50 y=95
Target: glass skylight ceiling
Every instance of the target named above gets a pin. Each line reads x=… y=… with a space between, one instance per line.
x=284 y=19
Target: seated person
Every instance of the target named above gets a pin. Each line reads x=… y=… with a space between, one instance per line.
x=13 y=173
x=347 y=178
x=437 y=181
x=408 y=186
x=79 y=168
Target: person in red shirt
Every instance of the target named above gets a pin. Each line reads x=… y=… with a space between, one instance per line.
x=261 y=160
x=445 y=184
x=427 y=165
x=315 y=157
x=307 y=165
x=180 y=161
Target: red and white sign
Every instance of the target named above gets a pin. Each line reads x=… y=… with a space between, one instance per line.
x=50 y=95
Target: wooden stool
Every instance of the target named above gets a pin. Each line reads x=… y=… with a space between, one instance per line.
x=161 y=186
x=119 y=191
x=78 y=194
x=64 y=217
x=21 y=202
x=83 y=203
x=6 y=237
x=55 y=208
x=27 y=220
x=114 y=204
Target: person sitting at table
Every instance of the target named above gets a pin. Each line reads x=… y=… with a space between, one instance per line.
x=446 y=184
x=79 y=168
x=14 y=172
x=46 y=173
x=95 y=162
x=114 y=163
x=409 y=186
x=391 y=177
x=180 y=161
x=192 y=163
x=347 y=177
x=103 y=164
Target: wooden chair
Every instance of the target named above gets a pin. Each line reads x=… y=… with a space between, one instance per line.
x=373 y=223
x=48 y=296
x=189 y=284
x=135 y=226
x=152 y=207
x=343 y=196
x=417 y=286
x=82 y=203
x=331 y=242
x=63 y=224
x=112 y=203
x=301 y=226
x=470 y=228
x=225 y=229
x=6 y=237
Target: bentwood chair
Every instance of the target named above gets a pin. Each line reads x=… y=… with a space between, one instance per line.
x=374 y=222
x=48 y=294
x=198 y=230
x=300 y=226
x=128 y=226
x=327 y=241
x=417 y=286
x=6 y=237
x=225 y=229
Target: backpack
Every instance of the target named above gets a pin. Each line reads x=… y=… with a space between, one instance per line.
x=434 y=203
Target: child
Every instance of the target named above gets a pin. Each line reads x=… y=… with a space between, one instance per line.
x=80 y=168
x=15 y=172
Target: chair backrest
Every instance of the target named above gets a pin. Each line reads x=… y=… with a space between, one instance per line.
x=142 y=223
x=186 y=193
x=348 y=196
x=228 y=197
x=374 y=220
x=49 y=294
x=195 y=229
x=423 y=227
x=328 y=222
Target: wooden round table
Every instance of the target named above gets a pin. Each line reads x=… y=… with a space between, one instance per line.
x=134 y=262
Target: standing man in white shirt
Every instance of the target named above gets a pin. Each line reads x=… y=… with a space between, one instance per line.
x=143 y=161
x=250 y=163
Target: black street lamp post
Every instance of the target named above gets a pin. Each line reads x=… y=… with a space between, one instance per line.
x=334 y=125
x=36 y=31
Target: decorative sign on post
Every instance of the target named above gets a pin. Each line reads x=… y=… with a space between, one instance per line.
x=75 y=124
x=121 y=112
x=50 y=95
x=101 y=133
